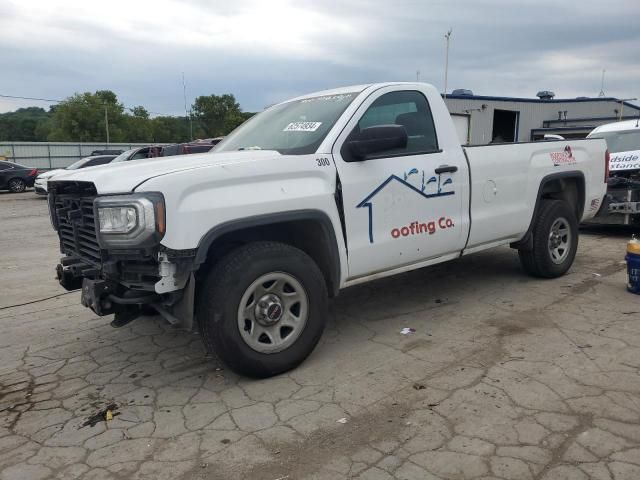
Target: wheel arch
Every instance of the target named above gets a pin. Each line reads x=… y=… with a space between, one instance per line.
x=309 y=230
x=567 y=186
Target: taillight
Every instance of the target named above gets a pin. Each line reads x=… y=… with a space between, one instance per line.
x=606 y=165
x=33 y=172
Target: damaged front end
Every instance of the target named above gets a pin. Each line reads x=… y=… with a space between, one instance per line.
x=111 y=247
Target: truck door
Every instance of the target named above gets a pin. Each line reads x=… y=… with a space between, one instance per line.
x=407 y=205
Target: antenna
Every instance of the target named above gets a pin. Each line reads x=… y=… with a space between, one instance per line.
x=186 y=112
x=417 y=75
x=447 y=36
x=601 y=94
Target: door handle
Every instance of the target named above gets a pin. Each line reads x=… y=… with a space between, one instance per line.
x=446 y=169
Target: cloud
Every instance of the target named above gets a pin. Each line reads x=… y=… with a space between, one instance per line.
x=264 y=52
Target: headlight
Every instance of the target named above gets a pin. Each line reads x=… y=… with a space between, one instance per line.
x=130 y=221
x=117 y=219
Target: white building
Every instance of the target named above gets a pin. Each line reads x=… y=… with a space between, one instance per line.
x=483 y=119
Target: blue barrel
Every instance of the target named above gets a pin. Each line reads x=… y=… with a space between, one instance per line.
x=633 y=270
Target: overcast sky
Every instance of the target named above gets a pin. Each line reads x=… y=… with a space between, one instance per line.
x=266 y=51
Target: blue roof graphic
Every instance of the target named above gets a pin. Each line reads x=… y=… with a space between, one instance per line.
x=366 y=202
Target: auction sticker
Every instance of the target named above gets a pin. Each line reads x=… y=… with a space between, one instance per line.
x=302 y=127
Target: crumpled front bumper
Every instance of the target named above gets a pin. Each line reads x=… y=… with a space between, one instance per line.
x=100 y=296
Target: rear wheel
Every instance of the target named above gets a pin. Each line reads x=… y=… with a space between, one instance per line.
x=17 y=185
x=555 y=241
x=263 y=308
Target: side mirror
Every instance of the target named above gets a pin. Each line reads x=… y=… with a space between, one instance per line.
x=376 y=139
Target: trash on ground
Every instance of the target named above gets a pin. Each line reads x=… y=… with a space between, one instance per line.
x=407 y=330
x=597 y=275
x=418 y=386
x=104 y=415
x=342 y=420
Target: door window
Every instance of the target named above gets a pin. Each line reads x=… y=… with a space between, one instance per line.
x=409 y=109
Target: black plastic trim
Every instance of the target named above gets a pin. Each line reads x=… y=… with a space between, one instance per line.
x=525 y=241
x=273 y=218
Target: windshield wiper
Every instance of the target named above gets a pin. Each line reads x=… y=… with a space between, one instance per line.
x=250 y=148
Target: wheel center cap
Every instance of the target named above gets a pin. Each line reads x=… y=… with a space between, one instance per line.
x=269 y=309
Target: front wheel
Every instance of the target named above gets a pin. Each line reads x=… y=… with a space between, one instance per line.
x=555 y=241
x=17 y=185
x=263 y=308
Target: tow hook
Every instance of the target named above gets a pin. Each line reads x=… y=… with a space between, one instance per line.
x=67 y=279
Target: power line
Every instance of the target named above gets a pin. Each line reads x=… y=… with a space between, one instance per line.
x=32 y=98
x=60 y=101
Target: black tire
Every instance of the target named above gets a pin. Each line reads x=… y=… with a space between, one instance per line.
x=17 y=185
x=222 y=293
x=539 y=261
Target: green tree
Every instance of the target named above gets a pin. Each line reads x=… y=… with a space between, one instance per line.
x=25 y=124
x=81 y=117
x=137 y=126
x=217 y=114
x=169 y=129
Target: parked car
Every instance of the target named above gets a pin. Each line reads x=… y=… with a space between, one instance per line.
x=42 y=179
x=310 y=196
x=138 y=153
x=106 y=152
x=212 y=141
x=185 y=149
x=155 y=151
x=15 y=177
x=621 y=205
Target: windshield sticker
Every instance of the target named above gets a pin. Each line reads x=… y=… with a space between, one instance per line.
x=302 y=127
x=625 y=160
x=563 y=158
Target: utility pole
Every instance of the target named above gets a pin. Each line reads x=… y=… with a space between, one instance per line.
x=106 y=122
x=446 y=62
x=187 y=113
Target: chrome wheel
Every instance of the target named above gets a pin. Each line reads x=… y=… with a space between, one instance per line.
x=17 y=185
x=273 y=312
x=559 y=240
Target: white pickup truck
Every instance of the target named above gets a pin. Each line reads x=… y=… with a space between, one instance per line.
x=316 y=194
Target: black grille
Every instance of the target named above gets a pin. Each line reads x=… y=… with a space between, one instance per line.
x=76 y=227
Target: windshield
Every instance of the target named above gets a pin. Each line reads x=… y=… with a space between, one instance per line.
x=295 y=128
x=621 y=141
x=123 y=156
x=78 y=164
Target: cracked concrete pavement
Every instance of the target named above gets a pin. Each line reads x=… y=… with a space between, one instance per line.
x=505 y=377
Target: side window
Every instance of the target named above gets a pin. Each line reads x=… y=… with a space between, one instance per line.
x=144 y=153
x=96 y=161
x=409 y=109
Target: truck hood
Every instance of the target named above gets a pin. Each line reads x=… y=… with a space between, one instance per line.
x=124 y=177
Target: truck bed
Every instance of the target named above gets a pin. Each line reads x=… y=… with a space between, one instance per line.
x=505 y=179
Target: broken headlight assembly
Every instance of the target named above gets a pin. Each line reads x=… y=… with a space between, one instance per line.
x=130 y=221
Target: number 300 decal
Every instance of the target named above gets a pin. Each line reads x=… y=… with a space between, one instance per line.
x=323 y=162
